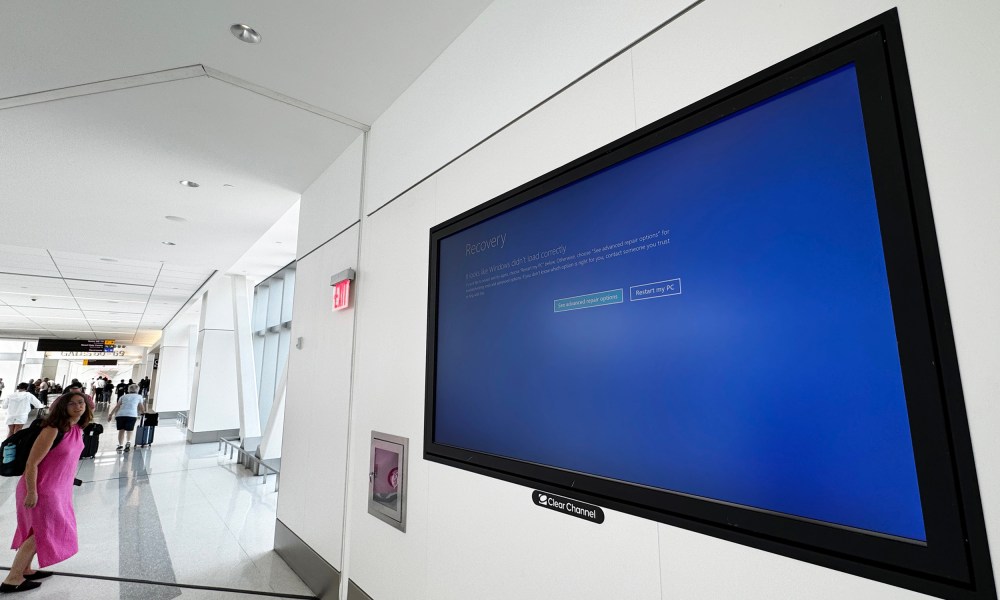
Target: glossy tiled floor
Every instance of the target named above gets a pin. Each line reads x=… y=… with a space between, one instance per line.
x=173 y=513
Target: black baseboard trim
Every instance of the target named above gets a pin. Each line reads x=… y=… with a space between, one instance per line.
x=189 y=586
x=321 y=577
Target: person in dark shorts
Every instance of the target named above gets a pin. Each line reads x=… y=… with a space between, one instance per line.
x=128 y=409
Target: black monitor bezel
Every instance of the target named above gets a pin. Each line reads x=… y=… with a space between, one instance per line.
x=955 y=561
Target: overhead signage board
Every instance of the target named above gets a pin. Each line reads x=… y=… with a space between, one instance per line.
x=120 y=352
x=76 y=345
x=99 y=362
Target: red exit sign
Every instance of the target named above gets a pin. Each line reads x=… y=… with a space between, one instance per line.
x=341 y=294
x=341 y=284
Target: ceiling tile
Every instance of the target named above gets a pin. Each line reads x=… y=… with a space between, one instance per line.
x=33 y=261
x=114 y=324
x=62 y=258
x=172 y=270
x=88 y=286
x=15 y=282
x=24 y=301
x=16 y=322
x=101 y=276
x=63 y=325
x=39 y=311
x=98 y=306
x=112 y=295
x=20 y=333
x=191 y=283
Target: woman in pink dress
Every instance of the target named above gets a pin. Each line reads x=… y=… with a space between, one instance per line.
x=46 y=523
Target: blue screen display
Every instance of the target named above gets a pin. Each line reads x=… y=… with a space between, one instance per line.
x=709 y=317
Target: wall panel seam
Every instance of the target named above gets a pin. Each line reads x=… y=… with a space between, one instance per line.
x=335 y=236
x=586 y=74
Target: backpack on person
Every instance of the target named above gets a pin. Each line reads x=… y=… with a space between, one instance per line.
x=15 y=450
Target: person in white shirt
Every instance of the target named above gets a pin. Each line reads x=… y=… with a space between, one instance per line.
x=18 y=406
x=129 y=407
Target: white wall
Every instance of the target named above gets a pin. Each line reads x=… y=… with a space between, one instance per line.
x=330 y=205
x=10 y=359
x=214 y=397
x=317 y=403
x=172 y=388
x=515 y=55
x=31 y=364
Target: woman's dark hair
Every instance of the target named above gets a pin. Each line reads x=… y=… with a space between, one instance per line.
x=59 y=412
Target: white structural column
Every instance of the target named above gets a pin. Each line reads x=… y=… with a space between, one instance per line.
x=147 y=364
x=270 y=441
x=214 y=395
x=50 y=367
x=246 y=372
x=171 y=390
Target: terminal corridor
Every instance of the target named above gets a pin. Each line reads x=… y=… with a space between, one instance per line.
x=512 y=300
x=173 y=520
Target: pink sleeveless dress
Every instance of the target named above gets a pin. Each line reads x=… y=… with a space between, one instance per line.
x=52 y=520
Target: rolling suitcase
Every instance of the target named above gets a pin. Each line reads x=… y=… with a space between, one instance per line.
x=146 y=429
x=91 y=439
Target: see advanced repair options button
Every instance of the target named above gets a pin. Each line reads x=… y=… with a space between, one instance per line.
x=657 y=289
x=588 y=300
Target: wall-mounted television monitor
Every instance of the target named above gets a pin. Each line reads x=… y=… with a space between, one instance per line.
x=732 y=320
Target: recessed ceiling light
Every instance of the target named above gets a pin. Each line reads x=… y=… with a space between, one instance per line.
x=175 y=219
x=244 y=33
x=168 y=243
x=228 y=185
x=110 y=259
x=187 y=183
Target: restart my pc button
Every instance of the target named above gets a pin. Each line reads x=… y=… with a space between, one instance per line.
x=657 y=289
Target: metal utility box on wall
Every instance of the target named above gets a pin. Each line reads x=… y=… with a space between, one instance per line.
x=387 y=479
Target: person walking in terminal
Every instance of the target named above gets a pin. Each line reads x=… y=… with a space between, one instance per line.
x=128 y=409
x=1 y=387
x=43 y=391
x=108 y=388
x=18 y=407
x=46 y=523
x=76 y=386
x=99 y=389
x=120 y=389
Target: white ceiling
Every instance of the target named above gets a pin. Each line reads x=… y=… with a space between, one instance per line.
x=70 y=295
x=92 y=176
